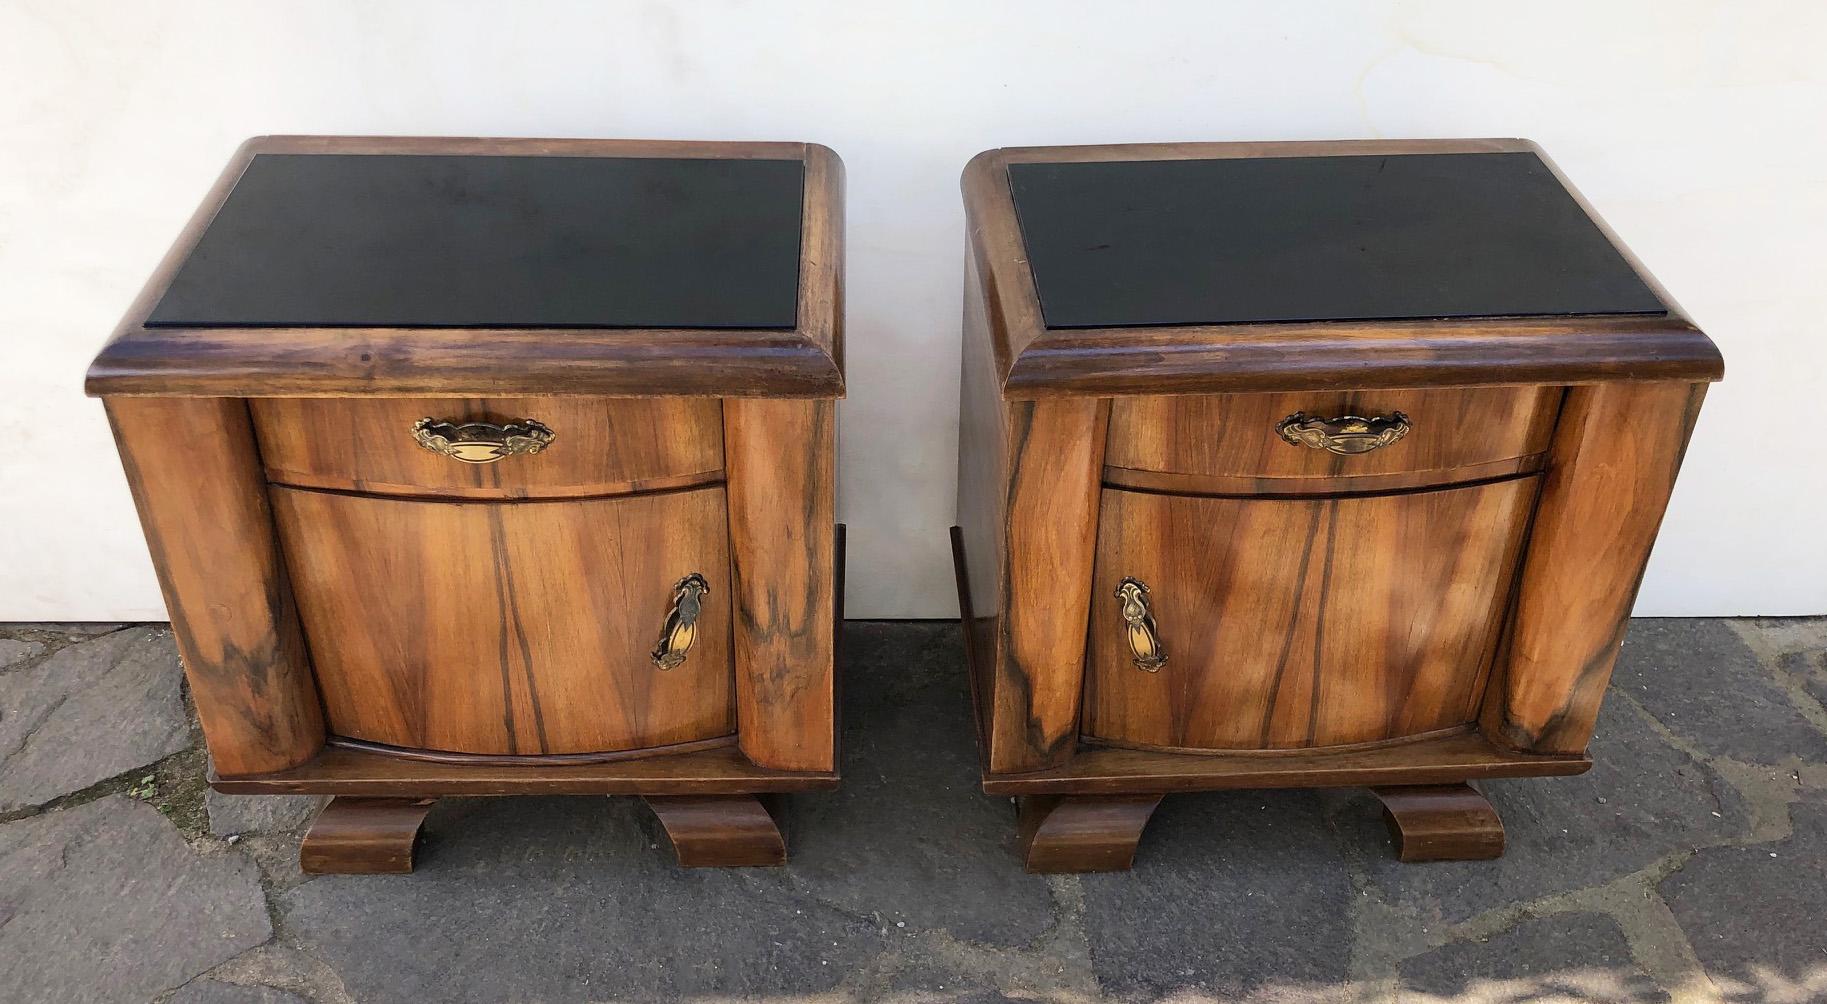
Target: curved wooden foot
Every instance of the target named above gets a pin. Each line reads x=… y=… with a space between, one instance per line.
x=1082 y=833
x=720 y=831
x=1441 y=822
x=363 y=836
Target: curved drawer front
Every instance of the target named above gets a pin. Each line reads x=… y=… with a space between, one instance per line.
x=598 y=446
x=512 y=628
x=1295 y=624
x=1234 y=444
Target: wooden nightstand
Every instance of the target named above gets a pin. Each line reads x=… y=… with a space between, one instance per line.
x=1301 y=465
x=487 y=467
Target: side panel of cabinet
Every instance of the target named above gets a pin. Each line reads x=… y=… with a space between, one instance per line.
x=1293 y=624
x=523 y=628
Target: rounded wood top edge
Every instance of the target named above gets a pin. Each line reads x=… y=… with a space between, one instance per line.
x=526 y=146
x=1001 y=157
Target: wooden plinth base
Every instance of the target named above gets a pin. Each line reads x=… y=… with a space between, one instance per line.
x=1082 y=833
x=1441 y=822
x=720 y=831
x=363 y=836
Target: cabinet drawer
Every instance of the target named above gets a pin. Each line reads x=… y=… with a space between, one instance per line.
x=1232 y=443
x=1295 y=624
x=511 y=628
x=599 y=446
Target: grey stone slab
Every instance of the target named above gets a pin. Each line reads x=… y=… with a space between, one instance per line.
x=1562 y=957
x=1233 y=893
x=218 y=992
x=1642 y=799
x=1700 y=680
x=1754 y=913
x=13 y=650
x=910 y=837
x=92 y=710
x=569 y=899
x=232 y=814
x=106 y=902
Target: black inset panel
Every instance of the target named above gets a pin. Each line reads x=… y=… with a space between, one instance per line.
x=1314 y=238
x=441 y=241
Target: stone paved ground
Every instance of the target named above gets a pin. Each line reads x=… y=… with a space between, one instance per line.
x=1690 y=864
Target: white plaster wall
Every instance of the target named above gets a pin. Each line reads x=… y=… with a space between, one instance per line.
x=1699 y=129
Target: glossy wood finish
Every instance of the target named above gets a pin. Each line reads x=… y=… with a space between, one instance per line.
x=195 y=475
x=364 y=836
x=339 y=771
x=1445 y=822
x=1027 y=502
x=481 y=627
x=1234 y=435
x=720 y=831
x=1443 y=609
x=1613 y=466
x=1033 y=361
x=1302 y=624
x=494 y=362
x=1096 y=769
x=1446 y=758
x=781 y=457
x=1074 y=833
x=602 y=446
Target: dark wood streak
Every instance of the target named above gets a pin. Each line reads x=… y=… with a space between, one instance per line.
x=210 y=532
x=1319 y=622
x=1612 y=467
x=1287 y=645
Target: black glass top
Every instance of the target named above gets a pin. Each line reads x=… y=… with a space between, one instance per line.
x=332 y=240
x=1314 y=238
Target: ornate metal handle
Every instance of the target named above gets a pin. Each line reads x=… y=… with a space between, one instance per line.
x=1144 y=640
x=1345 y=435
x=481 y=442
x=681 y=621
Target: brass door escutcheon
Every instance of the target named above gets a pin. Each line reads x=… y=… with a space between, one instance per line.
x=481 y=442
x=1345 y=435
x=1144 y=639
x=681 y=621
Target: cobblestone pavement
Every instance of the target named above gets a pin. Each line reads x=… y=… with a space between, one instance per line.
x=1690 y=864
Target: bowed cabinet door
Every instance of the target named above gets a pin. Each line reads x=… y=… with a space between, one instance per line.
x=523 y=628
x=1292 y=624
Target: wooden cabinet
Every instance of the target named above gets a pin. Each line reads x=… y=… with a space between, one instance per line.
x=1300 y=464
x=527 y=488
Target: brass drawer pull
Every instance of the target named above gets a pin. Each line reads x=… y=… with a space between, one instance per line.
x=481 y=442
x=681 y=621
x=1345 y=435
x=1144 y=640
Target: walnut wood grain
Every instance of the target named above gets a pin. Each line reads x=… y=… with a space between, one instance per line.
x=450 y=362
x=602 y=446
x=1033 y=361
x=720 y=831
x=364 y=836
x=1027 y=506
x=1613 y=463
x=781 y=458
x=338 y=771
x=195 y=475
x=521 y=628
x=1234 y=435
x=1076 y=833
x=1445 y=822
x=1301 y=624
